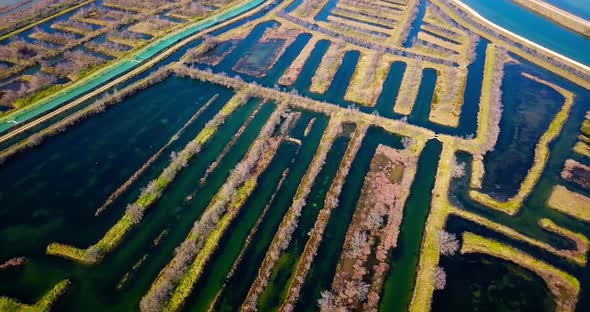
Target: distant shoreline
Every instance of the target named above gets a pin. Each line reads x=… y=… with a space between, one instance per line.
x=557 y=15
x=583 y=70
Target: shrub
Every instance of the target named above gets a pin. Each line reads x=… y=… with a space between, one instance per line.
x=458 y=168
x=449 y=244
x=327 y=302
x=135 y=212
x=440 y=278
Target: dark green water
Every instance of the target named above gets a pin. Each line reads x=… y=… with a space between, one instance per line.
x=74 y=172
x=529 y=108
x=276 y=290
x=238 y=285
x=96 y=285
x=399 y=283
x=535 y=206
x=479 y=283
x=421 y=108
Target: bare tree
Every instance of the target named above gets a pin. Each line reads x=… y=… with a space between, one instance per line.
x=327 y=302
x=135 y=211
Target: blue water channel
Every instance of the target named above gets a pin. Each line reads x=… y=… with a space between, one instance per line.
x=534 y=27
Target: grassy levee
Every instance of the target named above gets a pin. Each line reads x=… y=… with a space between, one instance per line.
x=430 y=249
x=570 y=203
x=487 y=130
x=288 y=224
x=477 y=173
x=409 y=89
x=41 y=21
x=184 y=288
x=366 y=84
x=482 y=140
x=581 y=241
x=43 y=305
x=325 y=73
x=542 y=150
x=564 y=287
x=441 y=209
x=582 y=148
x=404 y=24
x=448 y=98
x=292 y=73
x=114 y=236
x=516 y=38
x=577 y=256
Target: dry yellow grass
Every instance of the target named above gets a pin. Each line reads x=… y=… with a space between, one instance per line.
x=448 y=100
x=570 y=203
x=327 y=70
x=366 y=90
x=582 y=149
x=409 y=89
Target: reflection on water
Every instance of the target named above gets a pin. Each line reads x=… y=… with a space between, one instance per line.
x=484 y=283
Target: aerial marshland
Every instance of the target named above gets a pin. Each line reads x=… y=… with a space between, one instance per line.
x=296 y=155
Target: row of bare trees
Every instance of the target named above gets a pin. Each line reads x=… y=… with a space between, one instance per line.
x=310 y=7
x=495 y=98
x=170 y=276
x=357 y=30
x=378 y=19
x=289 y=224
x=19 y=50
x=72 y=26
x=374 y=230
x=406 y=27
x=330 y=60
x=317 y=233
x=38 y=10
x=37 y=82
x=75 y=62
x=361 y=42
